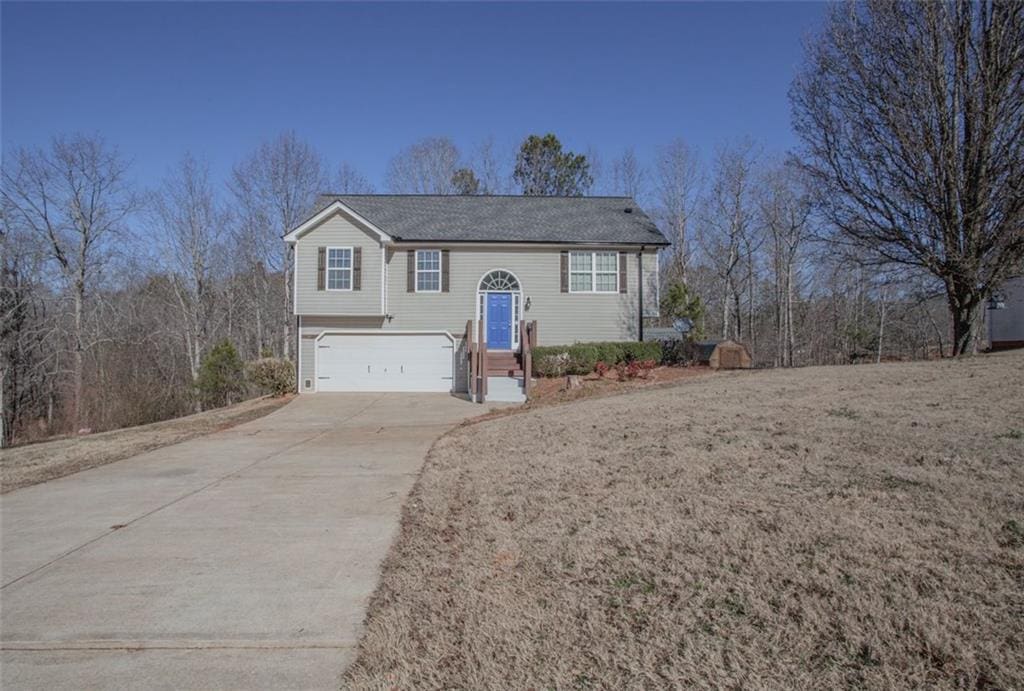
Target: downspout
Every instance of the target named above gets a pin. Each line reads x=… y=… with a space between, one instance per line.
x=640 y=292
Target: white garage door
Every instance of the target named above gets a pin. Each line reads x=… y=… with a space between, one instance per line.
x=384 y=362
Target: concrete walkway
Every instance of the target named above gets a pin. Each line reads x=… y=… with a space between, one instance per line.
x=240 y=560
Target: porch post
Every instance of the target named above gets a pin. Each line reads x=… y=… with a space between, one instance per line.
x=482 y=365
x=471 y=354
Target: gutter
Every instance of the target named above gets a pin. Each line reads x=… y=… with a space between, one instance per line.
x=640 y=292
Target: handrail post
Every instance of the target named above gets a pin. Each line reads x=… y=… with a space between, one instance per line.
x=482 y=365
x=471 y=354
x=527 y=357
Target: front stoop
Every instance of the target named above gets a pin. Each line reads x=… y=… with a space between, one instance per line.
x=505 y=389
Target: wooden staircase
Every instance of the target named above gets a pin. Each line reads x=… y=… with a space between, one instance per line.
x=503 y=364
x=499 y=375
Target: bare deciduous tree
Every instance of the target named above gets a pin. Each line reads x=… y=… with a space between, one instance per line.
x=492 y=168
x=426 y=167
x=74 y=198
x=276 y=188
x=677 y=191
x=728 y=233
x=351 y=181
x=785 y=211
x=27 y=334
x=192 y=223
x=629 y=178
x=912 y=120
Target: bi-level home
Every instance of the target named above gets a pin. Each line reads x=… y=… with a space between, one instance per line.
x=390 y=289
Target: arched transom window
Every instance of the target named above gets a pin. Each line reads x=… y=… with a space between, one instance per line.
x=499 y=280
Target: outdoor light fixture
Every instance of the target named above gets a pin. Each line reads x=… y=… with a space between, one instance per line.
x=527 y=305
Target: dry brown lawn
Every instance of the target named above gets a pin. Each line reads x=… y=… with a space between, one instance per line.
x=816 y=528
x=31 y=464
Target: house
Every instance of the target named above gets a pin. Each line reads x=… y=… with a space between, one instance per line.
x=387 y=288
x=1004 y=315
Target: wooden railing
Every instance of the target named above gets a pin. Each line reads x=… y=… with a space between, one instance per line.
x=476 y=350
x=527 y=342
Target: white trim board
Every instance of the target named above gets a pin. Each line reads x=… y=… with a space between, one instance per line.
x=380 y=332
x=327 y=212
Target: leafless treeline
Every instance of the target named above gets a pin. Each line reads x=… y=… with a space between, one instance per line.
x=111 y=295
x=748 y=241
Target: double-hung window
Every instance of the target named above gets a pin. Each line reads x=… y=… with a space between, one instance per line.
x=339 y=268
x=428 y=271
x=593 y=272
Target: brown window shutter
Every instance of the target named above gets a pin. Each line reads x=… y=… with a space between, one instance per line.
x=565 y=272
x=622 y=272
x=410 y=271
x=321 y=268
x=444 y=271
x=357 y=268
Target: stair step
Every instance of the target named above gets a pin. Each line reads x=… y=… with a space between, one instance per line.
x=505 y=389
x=504 y=372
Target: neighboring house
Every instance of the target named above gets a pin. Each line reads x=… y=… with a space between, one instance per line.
x=385 y=285
x=1005 y=316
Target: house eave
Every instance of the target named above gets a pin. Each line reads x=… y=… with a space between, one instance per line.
x=319 y=217
x=401 y=242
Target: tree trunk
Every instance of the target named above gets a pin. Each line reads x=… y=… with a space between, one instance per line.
x=79 y=366
x=881 y=326
x=790 y=334
x=725 y=310
x=195 y=362
x=286 y=346
x=963 y=312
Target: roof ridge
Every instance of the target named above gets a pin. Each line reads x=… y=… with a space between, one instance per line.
x=476 y=196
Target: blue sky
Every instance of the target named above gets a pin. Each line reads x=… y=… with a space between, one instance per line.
x=359 y=82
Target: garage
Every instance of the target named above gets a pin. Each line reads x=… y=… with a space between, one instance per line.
x=394 y=361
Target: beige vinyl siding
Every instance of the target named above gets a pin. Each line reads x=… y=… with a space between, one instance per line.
x=1007 y=324
x=338 y=231
x=562 y=317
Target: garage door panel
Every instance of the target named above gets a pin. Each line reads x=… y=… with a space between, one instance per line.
x=385 y=362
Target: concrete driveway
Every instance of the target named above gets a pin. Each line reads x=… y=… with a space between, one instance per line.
x=244 y=559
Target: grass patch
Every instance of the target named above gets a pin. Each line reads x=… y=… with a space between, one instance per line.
x=650 y=553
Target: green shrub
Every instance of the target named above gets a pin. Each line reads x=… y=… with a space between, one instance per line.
x=681 y=351
x=581 y=358
x=221 y=379
x=642 y=351
x=550 y=361
x=608 y=352
x=273 y=376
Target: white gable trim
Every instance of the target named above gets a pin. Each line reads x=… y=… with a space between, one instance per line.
x=327 y=212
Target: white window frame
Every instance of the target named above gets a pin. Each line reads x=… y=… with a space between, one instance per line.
x=438 y=271
x=594 y=272
x=350 y=269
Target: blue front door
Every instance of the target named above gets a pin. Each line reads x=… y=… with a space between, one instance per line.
x=499 y=321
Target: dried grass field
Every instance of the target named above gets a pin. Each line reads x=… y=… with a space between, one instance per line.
x=857 y=526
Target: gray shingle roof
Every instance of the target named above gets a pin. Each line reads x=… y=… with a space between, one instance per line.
x=485 y=218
